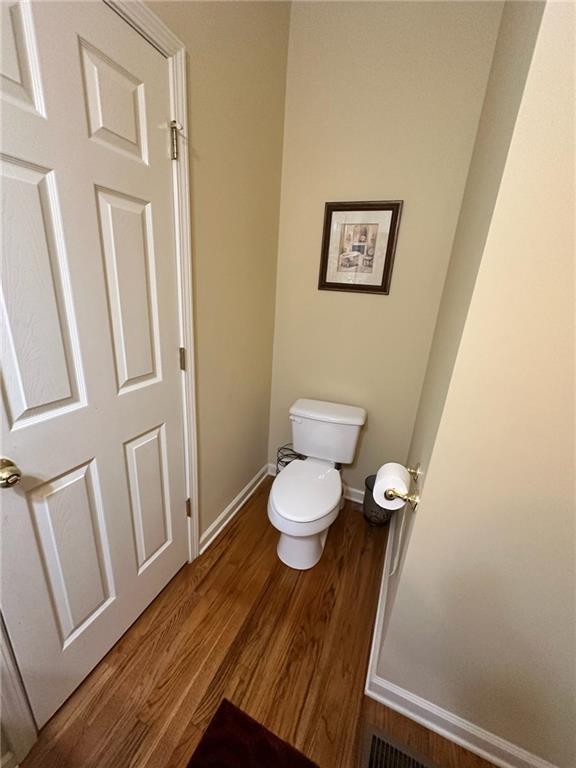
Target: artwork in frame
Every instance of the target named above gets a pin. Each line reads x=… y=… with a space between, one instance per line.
x=358 y=246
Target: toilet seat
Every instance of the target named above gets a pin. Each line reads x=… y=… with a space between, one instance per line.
x=306 y=491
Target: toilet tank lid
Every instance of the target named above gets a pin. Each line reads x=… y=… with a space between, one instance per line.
x=319 y=410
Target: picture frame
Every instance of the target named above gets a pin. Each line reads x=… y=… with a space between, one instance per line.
x=358 y=246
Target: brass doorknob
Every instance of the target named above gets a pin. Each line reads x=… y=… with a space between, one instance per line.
x=10 y=474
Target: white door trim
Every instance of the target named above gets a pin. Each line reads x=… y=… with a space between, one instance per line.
x=146 y=23
x=378 y=631
x=17 y=720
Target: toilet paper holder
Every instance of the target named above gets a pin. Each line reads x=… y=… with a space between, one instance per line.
x=409 y=498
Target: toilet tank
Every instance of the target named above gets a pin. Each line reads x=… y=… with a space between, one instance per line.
x=326 y=431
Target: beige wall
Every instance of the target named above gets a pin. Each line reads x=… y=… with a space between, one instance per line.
x=483 y=624
x=512 y=56
x=382 y=102
x=237 y=69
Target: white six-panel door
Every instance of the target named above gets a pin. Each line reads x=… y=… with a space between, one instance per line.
x=90 y=334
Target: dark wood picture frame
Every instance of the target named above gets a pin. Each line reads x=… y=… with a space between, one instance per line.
x=395 y=206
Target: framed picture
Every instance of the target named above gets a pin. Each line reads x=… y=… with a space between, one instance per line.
x=358 y=245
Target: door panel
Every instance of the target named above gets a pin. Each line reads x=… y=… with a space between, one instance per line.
x=127 y=241
x=92 y=387
x=71 y=529
x=148 y=480
x=19 y=75
x=41 y=372
x=115 y=104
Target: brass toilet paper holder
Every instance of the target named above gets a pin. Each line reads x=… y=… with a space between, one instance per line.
x=409 y=498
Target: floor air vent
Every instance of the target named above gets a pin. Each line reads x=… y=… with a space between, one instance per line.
x=381 y=752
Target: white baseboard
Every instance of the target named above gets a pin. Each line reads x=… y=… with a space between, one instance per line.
x=353 y=494
x=235 y=505
x=454 y=728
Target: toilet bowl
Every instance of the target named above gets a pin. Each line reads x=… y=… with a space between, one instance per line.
x=304 y=502
x=306 y=496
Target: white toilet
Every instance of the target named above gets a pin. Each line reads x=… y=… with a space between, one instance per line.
x=306 y=496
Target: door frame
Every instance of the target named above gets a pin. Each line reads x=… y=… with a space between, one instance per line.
x=17 y=718
x=147 y=24
x=17 y=721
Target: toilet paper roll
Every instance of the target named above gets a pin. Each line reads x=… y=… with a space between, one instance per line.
x=391 y=475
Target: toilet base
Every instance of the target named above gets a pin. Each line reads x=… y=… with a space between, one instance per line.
x=301 y=552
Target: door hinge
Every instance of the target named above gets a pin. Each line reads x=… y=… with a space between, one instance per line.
x=188 y=508
x=174 y=128
x=182 y=359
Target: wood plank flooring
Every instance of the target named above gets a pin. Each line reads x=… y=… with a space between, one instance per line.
x=289 y=648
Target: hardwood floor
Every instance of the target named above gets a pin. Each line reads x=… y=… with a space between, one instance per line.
x=289 y=648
